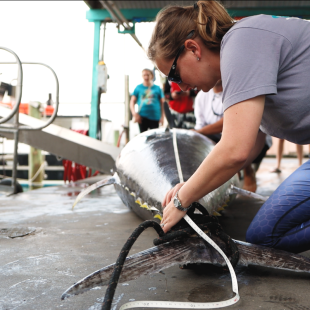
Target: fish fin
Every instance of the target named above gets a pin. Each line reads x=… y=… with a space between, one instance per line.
x=146 y=262
x=190 y=251
x=158 y=216
x=216 y=213
x=257 y=255
x=243 y=192
x=90 y=188
x=145 y=206
x=138 y=201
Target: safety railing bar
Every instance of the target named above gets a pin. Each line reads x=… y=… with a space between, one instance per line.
x=8 y=129
x=18 y=86
x=57 y=97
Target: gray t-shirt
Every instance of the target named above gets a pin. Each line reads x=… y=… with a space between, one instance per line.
x=270 y=55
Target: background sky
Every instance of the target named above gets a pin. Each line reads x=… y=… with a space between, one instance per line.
x=58 y=34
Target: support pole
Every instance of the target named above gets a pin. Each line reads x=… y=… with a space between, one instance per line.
x=15 y=161
x=127 y=108
x=93 y=118
x=16 y=133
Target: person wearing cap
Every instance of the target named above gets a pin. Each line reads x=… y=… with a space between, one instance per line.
x=264 y=64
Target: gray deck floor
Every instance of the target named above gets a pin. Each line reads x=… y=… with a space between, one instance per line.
x=68 y=245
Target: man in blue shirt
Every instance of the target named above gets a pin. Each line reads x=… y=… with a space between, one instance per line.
x=150 y=101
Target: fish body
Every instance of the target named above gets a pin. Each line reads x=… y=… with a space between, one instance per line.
x=147 y=170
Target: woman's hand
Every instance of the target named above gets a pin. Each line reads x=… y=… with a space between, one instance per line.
x=170 y=194
x=171 y=216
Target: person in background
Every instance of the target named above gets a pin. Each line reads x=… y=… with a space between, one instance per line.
x=209 y=122
x=209 y=112
x=150 y=101
x=299 y=149
x=180 y=105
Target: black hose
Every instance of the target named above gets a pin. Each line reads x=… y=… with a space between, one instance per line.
x=181 y=230
x=108 y=298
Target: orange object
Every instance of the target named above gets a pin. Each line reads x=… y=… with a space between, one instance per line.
x=49 y=110
x=24 y=108
x=6 y=104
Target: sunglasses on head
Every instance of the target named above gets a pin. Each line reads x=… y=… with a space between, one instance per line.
x=172 y=76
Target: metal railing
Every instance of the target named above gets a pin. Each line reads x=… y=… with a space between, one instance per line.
x=15 y=127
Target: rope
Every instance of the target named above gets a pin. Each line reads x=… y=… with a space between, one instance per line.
x=38 y=172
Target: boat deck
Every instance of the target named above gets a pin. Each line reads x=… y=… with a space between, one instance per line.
x=68 y=245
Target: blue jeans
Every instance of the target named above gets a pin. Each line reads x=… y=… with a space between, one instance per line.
x=283 y=222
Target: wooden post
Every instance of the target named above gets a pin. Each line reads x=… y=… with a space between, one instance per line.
x=35 y=158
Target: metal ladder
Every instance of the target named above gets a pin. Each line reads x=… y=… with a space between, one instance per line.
x=14 y=127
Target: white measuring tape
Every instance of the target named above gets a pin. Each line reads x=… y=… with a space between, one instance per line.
x=191 y=305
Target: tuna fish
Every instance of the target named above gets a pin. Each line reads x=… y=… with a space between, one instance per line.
x=145 y=170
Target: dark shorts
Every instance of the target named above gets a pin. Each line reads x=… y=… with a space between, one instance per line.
x=147 y=124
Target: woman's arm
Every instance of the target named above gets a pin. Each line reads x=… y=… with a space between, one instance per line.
x=240 y=132
x=212 y=129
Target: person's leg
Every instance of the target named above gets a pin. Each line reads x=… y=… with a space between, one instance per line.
x=249 y=172
x=299 y=153
x=249 y=179
x=280 y=152
x=144 y=124
x=153 y=124
x=257 y=161
x=283 y=222
x=279 y=156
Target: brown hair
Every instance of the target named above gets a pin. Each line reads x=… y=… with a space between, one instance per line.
x=209 y=19
x=148 y=70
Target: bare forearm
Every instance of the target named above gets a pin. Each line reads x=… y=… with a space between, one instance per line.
x=212 y=129
x=215 y=170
